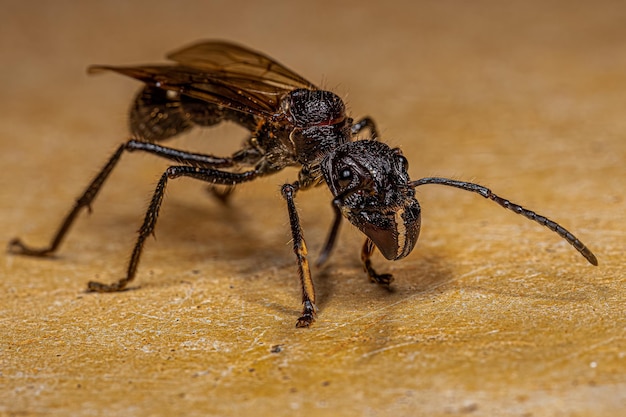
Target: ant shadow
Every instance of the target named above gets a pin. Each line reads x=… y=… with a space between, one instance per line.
x=419 y=275
x=342 y=280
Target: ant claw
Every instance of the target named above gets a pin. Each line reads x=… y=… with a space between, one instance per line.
x=382 y=279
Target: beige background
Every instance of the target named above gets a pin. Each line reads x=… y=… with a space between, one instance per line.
x=490 y=315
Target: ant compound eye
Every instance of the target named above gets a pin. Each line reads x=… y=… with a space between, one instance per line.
x=345 y=174
x=404 y=163
x=344 y=178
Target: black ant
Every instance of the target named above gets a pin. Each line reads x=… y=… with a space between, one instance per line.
x=291 y=123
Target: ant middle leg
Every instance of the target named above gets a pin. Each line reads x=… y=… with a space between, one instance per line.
x=365 y=123
x=147 y=228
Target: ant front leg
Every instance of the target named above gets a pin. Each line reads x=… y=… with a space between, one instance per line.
x=366 y=253
x=147 y=228
x=299 y=247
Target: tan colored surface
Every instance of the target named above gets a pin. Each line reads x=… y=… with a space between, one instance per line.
x=490 y=315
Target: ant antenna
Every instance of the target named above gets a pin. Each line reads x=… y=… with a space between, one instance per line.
x=531 y=215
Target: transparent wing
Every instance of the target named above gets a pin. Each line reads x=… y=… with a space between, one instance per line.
x=230 y=58
x=221 y=73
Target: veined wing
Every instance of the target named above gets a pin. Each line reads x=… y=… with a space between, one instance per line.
x=232 y=59
x=221 y=73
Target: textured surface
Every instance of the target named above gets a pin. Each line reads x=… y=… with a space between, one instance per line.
x=490 y=315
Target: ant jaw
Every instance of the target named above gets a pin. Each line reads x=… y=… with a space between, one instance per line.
x=372 y=189
x=393 y=232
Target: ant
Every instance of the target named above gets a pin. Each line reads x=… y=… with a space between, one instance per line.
x=292 y=123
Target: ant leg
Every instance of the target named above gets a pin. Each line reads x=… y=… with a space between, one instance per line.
x=332 y=235
x=299 y=247
x=84 y=201
x=366 y=253
x=365 y=123
x=245 y=156
x=182 y=157
x=531 y=215
x=17 y=246
x=150 y=219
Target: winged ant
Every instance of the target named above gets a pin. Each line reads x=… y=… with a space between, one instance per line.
x=291 y=123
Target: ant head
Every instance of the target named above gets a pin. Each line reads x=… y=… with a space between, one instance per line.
x=372 y=190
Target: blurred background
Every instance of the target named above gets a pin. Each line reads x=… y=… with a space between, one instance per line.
x=491 y=314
